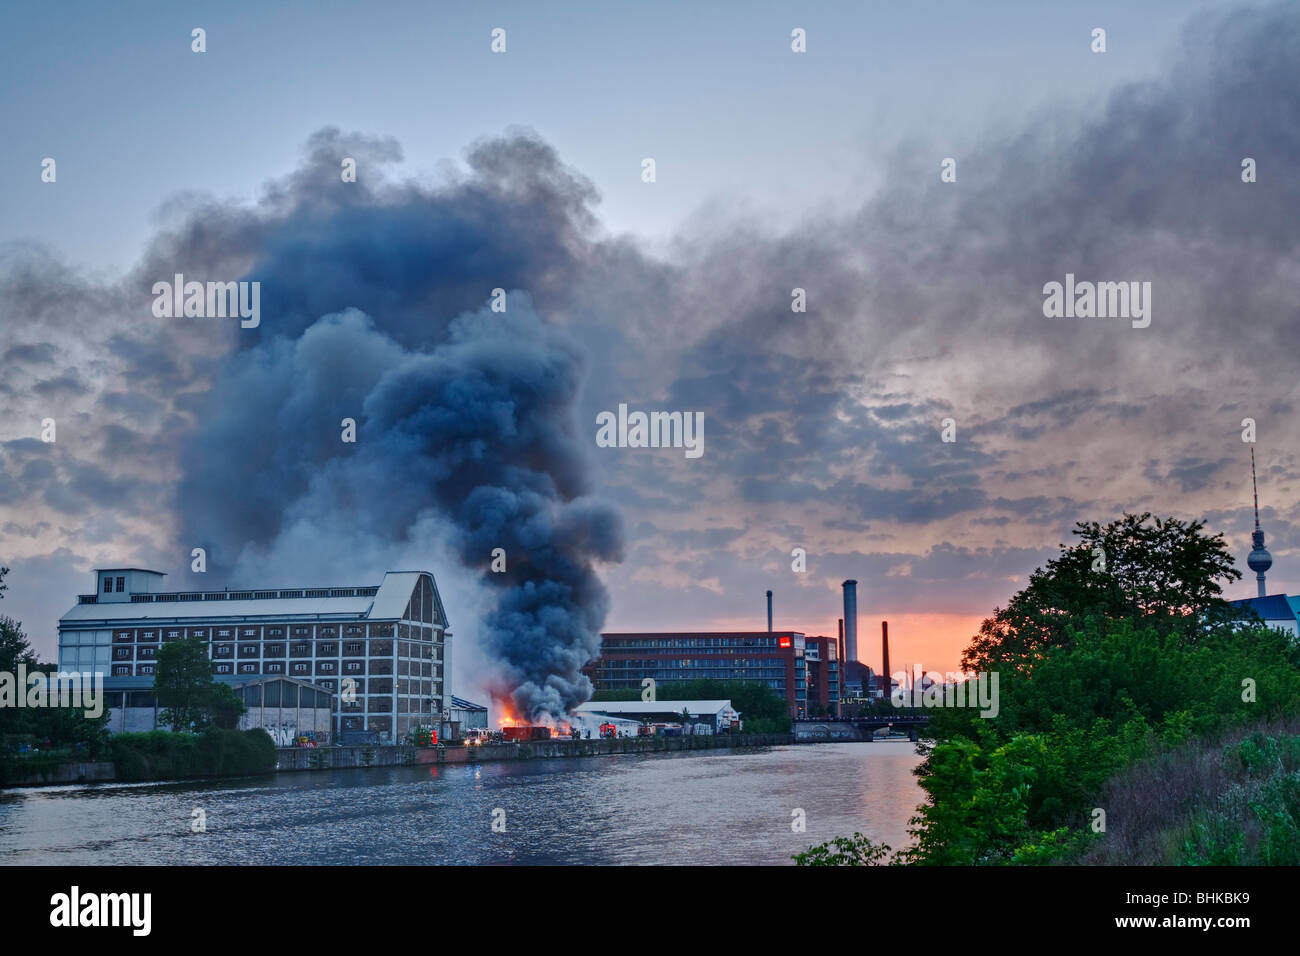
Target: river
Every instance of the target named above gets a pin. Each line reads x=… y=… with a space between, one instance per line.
x=690 y=808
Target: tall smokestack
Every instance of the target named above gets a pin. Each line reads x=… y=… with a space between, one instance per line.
x=769 y=612
x=884 y=655
x=844 y=675
x=851 y=620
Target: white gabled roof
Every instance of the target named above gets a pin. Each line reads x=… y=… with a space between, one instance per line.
x=205 y=610
x=387 y=603
x=394 y=594
x=694 y=707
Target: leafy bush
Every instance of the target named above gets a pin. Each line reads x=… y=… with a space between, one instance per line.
x=161 y=754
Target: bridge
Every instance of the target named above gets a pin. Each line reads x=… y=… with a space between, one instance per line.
x=862 y=728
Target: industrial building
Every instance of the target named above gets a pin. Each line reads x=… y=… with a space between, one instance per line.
x=807 y=671
x=282 y=706
x=467 y=715
x=804 y=670
x=382 y=653
x=696 y=716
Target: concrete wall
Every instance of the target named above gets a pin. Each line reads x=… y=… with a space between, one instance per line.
x=88 y=771
x=328 y=758
x=131 y=720
x=286 y=723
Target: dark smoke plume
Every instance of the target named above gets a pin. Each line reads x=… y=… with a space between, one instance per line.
x=465 y=419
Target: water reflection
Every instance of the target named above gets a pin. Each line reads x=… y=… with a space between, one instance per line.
x=728 y=807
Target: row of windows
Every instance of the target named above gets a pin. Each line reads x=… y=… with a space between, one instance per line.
x=283 y=694
x=279 y=695
x=109 y=581
x=621 y=643
x=774 y=664
x=625 y=682
x=282 y=631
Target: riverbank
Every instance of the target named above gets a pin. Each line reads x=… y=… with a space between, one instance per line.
x=361 y=757
x=334 y=758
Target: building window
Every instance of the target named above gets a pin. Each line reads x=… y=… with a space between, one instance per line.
x=327 y=649
x=108 y=585
x=248 y=668
x=121 y=585
x=300 y=668
x=352 y=647
x=274 y=631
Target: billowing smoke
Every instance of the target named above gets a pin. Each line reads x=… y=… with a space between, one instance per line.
x=482 y=428
x=376 y=310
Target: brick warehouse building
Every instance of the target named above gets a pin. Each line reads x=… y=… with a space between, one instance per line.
x=392 y=640
x=803 y=670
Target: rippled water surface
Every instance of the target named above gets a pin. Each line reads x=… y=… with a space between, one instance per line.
x=713 y=807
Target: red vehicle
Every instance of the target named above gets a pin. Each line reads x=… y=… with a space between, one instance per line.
x=525 y=732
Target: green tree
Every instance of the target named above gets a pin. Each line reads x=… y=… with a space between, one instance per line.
x=62 y=726
x=14 y=650
x=1163 y=572
x=183 y=681
x=856 y=850
x=223 y=706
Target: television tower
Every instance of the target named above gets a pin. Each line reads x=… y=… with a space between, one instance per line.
x=1259 y=560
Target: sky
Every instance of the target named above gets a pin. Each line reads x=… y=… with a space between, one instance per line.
x=775 y=170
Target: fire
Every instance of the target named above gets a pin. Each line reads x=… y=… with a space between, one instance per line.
x=556 y=727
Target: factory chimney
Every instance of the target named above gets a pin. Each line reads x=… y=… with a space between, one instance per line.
x=851 y=620
x=884 y=652
x=769 y=612
x=843 y=675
